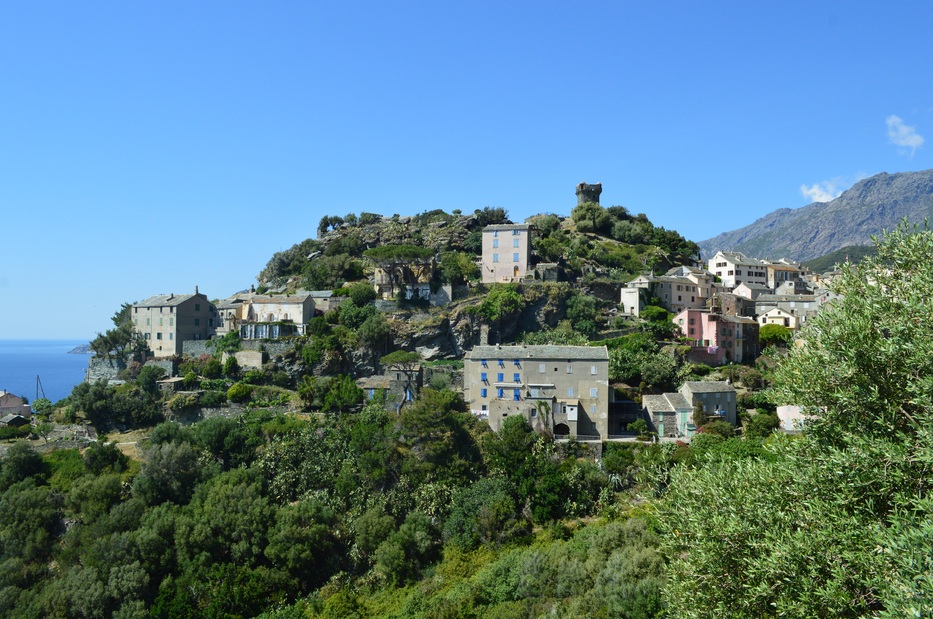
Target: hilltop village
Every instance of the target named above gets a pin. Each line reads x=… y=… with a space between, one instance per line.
x=450 y=415
x=546 y=320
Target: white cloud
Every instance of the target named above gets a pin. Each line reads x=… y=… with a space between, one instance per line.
x=903 y=135
x=823 y=191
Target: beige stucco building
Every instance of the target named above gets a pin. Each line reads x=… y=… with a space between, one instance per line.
x=679 y=289
x=560 y=389
x=506 y=252
x=167 y=320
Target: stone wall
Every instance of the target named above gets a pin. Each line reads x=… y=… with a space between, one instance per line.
x=196 y=348
x=101 y=368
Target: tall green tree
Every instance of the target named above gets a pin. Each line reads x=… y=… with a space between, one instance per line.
x=840 y=522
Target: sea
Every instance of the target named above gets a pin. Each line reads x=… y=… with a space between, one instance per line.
x=21 y=361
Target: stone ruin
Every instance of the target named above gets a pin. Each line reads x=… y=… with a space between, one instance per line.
x=588 y=193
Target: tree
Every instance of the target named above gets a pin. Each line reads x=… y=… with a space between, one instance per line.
x=342 y=395
x=774 y=335
x=836 y=524
x=120 y=339
x=409 y=364
x=362 y=293
x=591 y=217
x=502 y=301
x=395 y=260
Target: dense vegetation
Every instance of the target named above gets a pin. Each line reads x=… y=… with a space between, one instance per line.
x=341 y=509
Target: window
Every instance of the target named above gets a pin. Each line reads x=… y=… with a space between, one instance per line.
x=483 y=392
x=501 y=363
x=483 y=362
x=171 y=321
x=495 y=233
x=517 y=395
x=594 y=392
x=517 y=377
x=160 y=321
x=569 y=392
x=483 y=377
x=569 y=367
x=517 y=363
x=516 y=232
x=500 y=377
x=514 y=242
x=534 y=412
x=147 y=336
x=534 y=392
x=171 y=336
x=210 y=322
x=197 y=307
x=541 y=368
x=500 y=392
x=495 y=243
x=158 y=336
x=197 y=322
x=593 y=370
x=495 y=257
x=147 y=322
x=515 y=257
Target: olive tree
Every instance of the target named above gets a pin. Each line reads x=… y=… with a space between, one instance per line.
x=837 y=523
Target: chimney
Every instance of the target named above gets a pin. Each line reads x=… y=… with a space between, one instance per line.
x=195 y=289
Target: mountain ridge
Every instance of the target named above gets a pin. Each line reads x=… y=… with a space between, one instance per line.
x=870 y=206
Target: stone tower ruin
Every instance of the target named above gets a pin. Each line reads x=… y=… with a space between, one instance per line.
x=588 y=193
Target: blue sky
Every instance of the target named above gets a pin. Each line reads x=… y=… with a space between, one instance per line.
x=151 y=147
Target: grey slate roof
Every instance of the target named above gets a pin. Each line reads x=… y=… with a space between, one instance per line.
x=708 y=386
x=507 y=227
x=165 y=300
x=598 y=353
x=666 y=403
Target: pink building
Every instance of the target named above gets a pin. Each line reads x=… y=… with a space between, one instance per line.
x=717 y=339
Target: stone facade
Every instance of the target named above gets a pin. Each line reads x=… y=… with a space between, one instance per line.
x=166 y=321
x=671 y=414
x=560 y=389
x=588 y=193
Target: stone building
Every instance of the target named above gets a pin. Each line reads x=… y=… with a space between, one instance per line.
x=671 y=414
x=506 y=252
x=166 y=320
x=560 y=389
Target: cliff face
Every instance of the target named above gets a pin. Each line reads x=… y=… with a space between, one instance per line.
x=870 y=206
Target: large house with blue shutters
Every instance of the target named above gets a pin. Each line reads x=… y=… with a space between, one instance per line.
x=560 y=389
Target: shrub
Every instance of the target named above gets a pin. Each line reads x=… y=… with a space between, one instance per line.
x=213 y=399
x=239 y=392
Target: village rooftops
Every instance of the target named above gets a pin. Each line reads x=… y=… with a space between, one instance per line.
x=539 y=352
